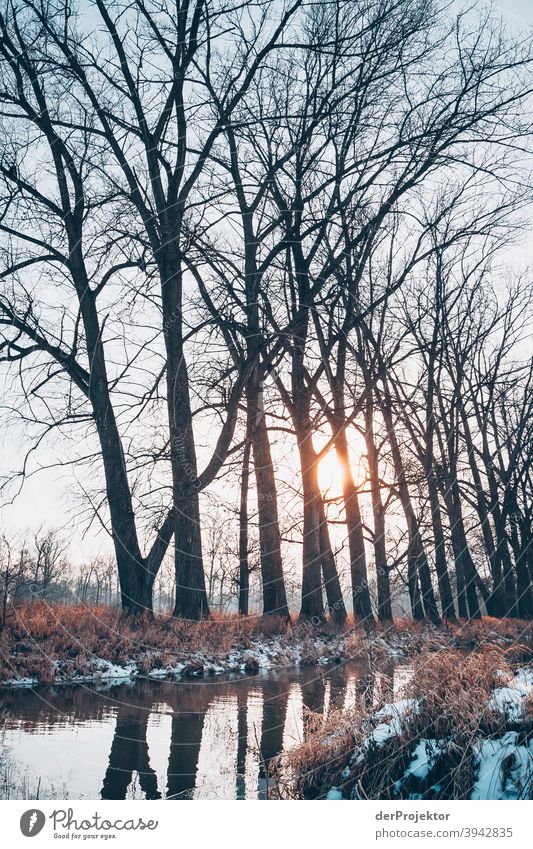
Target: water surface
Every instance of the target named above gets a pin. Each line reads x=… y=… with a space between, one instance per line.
x=205 y=738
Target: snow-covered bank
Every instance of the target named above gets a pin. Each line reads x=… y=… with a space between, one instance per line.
x=259 y=655
x=62 y=644
x=502 y=765
x=463 y=731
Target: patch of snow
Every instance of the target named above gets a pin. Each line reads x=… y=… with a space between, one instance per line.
x=524 y=678
x=160 y=672
x=334 y=794
x=395 y=710
x=505 y=768
x=385 y=731
x=177 y=669
x=106 y=669
x=381 y=733
x=510 y=700
x=21 y=682
x=422 y=762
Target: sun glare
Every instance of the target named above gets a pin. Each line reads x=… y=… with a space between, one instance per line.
x=330 y=471
x=330 y=474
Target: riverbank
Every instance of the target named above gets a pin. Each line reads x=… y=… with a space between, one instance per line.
x=463 y=730
x=52 y=644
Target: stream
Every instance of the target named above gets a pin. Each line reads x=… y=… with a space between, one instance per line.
x=205 y=738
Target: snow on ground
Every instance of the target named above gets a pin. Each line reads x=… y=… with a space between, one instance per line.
x=510 y=700
x=20 y=682
x=108 y=670
x=422 y=760
x=392 y=716
x=397 y=710
x=505 y=768
x=504 y=765
x=260 y=656
x=335 y=794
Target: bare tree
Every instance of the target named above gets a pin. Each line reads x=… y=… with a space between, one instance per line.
x=211 y=211
x=109 y=118
x=12 y=576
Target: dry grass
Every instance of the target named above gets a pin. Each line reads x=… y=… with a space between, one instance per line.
x=37 y=634
x=451 y=691
x=311 y=768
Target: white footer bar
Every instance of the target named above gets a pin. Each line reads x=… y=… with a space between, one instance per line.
x=266 y=825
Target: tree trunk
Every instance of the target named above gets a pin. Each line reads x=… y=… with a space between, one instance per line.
x=523 y=583
x=417 y=564
x=140 y=592
x=312 y=606
x=191 y=596
x=426 y=586
x=496 y=601
x=362 y=605
x=413 y=586
x=504 y=562
x=335 y=601
x=466 y=572
x=135 y=586
x=244 y=570
x=462 y=603
x=502 y=550
x=378 y=511
x=483 y=589
x=135 y=580
x=441 y=566
x=526 y=552
x=274 y=595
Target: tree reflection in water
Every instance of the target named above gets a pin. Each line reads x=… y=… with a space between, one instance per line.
x=223 y=733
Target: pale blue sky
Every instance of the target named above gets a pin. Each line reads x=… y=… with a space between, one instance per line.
x=518 y=9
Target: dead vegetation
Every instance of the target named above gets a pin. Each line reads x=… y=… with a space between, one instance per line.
x=443 y=717
x=39 y=635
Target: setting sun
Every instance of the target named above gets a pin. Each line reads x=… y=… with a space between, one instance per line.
x=330 y=471
x=330 y=474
